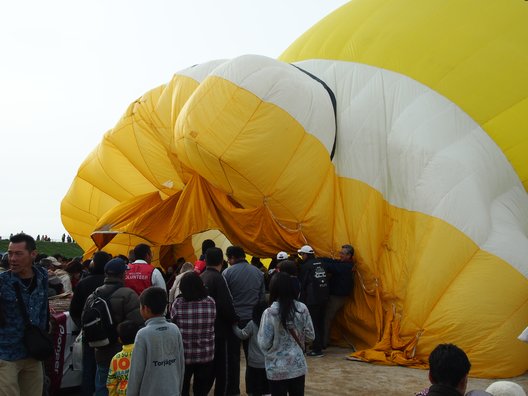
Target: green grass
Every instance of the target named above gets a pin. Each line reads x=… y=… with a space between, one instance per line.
x=69 y=250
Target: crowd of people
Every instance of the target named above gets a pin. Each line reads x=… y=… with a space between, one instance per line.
x=182 y=330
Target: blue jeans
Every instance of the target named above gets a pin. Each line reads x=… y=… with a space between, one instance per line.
x=101 y=374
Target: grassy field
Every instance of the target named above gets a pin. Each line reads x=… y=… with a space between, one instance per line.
x=69 y=250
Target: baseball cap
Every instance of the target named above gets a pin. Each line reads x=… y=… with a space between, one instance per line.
x=54 y=261
x=116 y=266
x=282 y=256
x=306 y=249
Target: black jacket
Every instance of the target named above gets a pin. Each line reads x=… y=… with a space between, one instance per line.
x=225 y=311
x=442 y=390
x=85 y=287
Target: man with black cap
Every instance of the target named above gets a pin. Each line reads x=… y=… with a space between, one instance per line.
x=124 y=305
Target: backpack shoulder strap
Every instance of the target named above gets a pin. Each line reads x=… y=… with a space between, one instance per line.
x=107 y=294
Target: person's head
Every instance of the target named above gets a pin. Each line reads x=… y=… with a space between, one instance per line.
x=258 y=309
x=235 y=254
x=143 y=252
x=283 y=292
x=282 y=256
x=214 y=257
x=123 y=257
x=21 y=252
x=306 y=252
x=75 y=269
x=255 y=261
x=449 y=365
x=281 y=287
x=505 y=388
x=46 y=263
x=346 y=253
x=206 y=244
x=54 y=263
x=99 y=261
x=288 y=266
x=187 y=266
x=153 y=302
x=4 y=262
x=192 y=287
x=116 y=268
x=131 y=256
x=127 y=330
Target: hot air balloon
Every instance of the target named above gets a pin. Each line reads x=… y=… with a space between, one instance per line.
x=397 y=126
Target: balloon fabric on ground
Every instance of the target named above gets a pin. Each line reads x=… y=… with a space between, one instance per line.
x=397 y=126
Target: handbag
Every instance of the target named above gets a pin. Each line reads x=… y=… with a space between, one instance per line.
x=37 y=341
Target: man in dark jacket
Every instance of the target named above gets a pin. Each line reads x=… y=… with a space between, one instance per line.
x=314 y=296
x=225 y=314
x=124 y=305
x=340 y=284
x=85 y=287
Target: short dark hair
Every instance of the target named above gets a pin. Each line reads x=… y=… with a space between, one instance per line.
x=127 y=331
x=154 y=298
x=30 y=242
x=289 y=267
x=448 y=365
x=214 y=256
x=100 y=259
x=74 y=267
x=206 y=244
x=235 y=252
x=141 y=251
x=192 y=287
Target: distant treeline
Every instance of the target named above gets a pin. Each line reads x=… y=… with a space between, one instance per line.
x=50 y=248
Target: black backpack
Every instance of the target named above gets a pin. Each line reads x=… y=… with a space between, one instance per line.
x=97 y=324
x=318 y=283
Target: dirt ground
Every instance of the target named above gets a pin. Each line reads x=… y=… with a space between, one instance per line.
x=334 y=375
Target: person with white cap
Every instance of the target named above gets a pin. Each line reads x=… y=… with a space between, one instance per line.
x=314 y=293
x=56 y=268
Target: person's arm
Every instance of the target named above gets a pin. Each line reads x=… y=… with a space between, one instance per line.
x=181 y=360
x=244 y=333
x=308 y=329
x=137 y=366
x=157 y=279
x=266 y=332
x=172 y=291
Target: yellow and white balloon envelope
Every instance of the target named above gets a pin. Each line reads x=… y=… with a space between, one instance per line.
x=396 y=126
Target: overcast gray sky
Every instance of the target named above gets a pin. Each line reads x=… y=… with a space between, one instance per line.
x=69 y=69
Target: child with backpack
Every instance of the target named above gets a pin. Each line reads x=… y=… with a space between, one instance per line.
x=256 y=381
x=117 y=380
x=157 y=365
